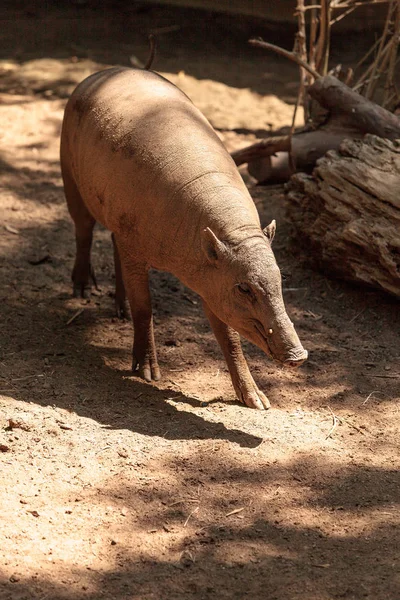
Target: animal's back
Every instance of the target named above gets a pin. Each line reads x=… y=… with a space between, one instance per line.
x=141 y=154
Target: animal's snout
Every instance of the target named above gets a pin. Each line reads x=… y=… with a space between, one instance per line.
x=296 y=357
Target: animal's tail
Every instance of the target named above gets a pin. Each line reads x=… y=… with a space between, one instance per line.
x=152 y=42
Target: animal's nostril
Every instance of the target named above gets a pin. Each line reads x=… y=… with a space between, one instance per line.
x=294 y=363
x=296 y=357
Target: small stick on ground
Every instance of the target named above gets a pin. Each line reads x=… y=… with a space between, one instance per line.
x=183 y=501
x=370 y=396
x=235 y=512
x=357 y=315
x=64 y=426
x=27 y=377
x=191 y=514
x=11 y=229
x=175 y=383
x=75 y=316
x=335 y=423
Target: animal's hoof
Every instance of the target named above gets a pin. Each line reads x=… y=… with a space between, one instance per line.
x=148 y=372
x=255 y=399
x=93 y=277
x=81 y=277
x=82 y=290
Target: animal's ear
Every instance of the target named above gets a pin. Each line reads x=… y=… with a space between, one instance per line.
x=269 y=231
x=212 y=247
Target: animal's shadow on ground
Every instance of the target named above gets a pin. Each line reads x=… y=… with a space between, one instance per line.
x=81 y=382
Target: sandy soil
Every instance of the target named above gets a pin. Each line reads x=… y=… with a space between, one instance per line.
x=113 y=488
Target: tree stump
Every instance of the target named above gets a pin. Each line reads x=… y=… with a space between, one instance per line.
x=348 y=211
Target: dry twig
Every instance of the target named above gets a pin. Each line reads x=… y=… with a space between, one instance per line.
x=313 y=36
x=370 y=396
x=235 y=512
x=190 y=515
x=301 y=50
x=11 y=229
x=331 y=120
x=286 y=53
x=75 y=316
x=335 y=423
x=323 y=43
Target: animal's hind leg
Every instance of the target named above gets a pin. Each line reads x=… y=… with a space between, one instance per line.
x=136 y=279
x=83 y=271
x=121 y=303
x=84 y=224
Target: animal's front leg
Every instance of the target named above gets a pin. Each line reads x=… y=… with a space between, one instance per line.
x=244 y=384
x=136 y=280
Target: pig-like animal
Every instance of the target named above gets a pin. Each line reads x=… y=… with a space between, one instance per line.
x=139 y=158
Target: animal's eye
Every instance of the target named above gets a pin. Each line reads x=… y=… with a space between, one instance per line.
x=244 y=288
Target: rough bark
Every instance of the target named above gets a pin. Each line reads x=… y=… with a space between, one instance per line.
x=348 y=211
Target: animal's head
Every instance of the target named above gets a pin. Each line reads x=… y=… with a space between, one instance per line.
x=245 y=292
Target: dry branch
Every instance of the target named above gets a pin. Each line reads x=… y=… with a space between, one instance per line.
x=323 y=44
x=267 y=147
x=286 y=53
x=364 y=115
x=349 y=116
x=330 y=105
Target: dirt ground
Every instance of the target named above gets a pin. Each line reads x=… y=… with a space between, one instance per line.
x=113 y=488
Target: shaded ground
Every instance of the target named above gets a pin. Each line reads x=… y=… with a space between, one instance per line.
x=113 y=488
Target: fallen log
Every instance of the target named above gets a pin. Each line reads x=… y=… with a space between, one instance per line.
x=269 y=159
x=347 y=115
x=348 y=211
